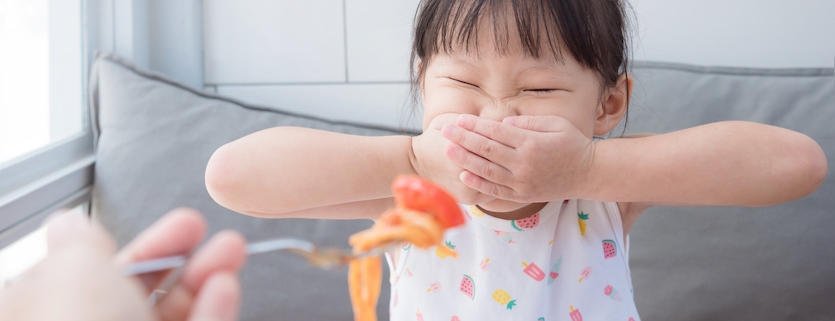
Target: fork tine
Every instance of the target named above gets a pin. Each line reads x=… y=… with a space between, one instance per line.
x=279 y=244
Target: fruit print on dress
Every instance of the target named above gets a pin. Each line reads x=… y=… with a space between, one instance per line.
x=555 y=271
x=525 y=223
x=533 y=271
x=447 y=250
x=467 y=286
x=503 y=298
x=581 y=220
x=477 y=212
x=609 y=249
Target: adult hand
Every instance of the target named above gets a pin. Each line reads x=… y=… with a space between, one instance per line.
x=522 y=158
x=81 y=280
x=431 y=162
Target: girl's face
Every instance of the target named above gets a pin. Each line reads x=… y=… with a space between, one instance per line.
x=495 y=86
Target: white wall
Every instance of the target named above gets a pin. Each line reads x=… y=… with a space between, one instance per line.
x=750 y=33
x=348 y=59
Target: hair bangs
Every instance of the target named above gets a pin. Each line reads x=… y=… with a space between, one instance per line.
x=449 y=26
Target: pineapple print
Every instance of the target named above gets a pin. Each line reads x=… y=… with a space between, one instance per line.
x=477 y=212
x=581 y=219
x=447 y=250
x=503 y=298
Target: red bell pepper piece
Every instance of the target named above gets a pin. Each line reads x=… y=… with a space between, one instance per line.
x=419 y=194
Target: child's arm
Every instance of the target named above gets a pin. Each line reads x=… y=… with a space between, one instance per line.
x=725 y=163
x=300 y=172
x=286 y=171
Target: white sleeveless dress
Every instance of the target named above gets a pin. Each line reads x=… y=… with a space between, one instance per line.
x=567 y=262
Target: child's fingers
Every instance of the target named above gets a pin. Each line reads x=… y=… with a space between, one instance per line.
x=478 y=165
x=538 y=123
x=487 y=187
x=480 y=145
x=497 y=131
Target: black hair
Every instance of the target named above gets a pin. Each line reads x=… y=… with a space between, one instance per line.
x=594 y=32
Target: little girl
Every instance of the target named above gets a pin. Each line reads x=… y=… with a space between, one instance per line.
x=513 y=94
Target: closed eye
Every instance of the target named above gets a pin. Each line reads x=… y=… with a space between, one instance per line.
x=543 y=90
x=464 y=82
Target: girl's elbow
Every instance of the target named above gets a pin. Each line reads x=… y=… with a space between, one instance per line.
x=223 y=177
x=812 y=167
x=818 y=167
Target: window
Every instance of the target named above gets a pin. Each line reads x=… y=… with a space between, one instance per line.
x=40 y=74
x=46 y=152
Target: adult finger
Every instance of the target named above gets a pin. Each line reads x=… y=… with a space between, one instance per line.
x=176 y=233
x=548 y=123
x=226 y=251
x=68 y=229
x=219 y=299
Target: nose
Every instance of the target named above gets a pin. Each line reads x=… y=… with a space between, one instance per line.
x=498 y=110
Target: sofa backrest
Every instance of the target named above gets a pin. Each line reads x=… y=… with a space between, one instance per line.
x=734 y=263
x=155 y=136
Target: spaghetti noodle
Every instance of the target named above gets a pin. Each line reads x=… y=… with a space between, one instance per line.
x=423 y=212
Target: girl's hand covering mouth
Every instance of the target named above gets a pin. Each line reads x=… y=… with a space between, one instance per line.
x=429 y=161
x=524 y=159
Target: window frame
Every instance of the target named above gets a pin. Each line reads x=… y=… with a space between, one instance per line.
x=60 y=174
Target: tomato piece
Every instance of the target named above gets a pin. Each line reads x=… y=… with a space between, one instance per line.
x=419 y=194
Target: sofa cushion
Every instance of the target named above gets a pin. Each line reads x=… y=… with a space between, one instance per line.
x=734 y=263
x=154 y=139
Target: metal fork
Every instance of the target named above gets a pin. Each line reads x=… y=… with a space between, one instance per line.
x=321 y=257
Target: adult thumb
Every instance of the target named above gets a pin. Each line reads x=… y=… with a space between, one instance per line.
x=218 y=299
x=537 y=123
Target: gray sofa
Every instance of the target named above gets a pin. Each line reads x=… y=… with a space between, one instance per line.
x=155 y=136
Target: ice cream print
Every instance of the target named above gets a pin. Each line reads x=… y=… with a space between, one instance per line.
x=511 y=278
x=555 y=271
x=611 y=293
x=533 y=271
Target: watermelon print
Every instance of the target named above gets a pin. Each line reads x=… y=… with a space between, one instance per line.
x=609 y=249
x=468 y=286
x=526 y=223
